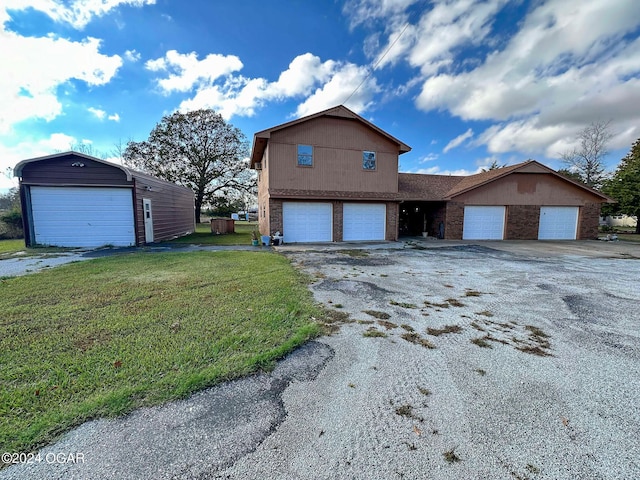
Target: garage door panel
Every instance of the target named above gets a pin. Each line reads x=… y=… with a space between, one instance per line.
x=558 y=223
x=364 y=221
x=82 y=216
x=307 y=222
x=483 y=223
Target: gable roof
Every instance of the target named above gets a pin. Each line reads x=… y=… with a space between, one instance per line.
x=261 y=138
x=530 y=166
x=129 y=172
x=17 y=170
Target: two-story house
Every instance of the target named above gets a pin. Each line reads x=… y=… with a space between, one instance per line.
x=333 y=176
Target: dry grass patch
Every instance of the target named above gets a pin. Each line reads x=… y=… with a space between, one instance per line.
x=387 y=325
x=485 y=313
x=408 y=328
x=373 y=332
x=446 y=329
x=403 y=304
x=481 y=342
x=454 y=302
x=417 y=339
x=377 y=314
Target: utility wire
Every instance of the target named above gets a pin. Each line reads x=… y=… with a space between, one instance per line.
x=406 y=25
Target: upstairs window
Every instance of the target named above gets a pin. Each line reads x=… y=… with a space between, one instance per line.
x=368 y=160
x=305 y=156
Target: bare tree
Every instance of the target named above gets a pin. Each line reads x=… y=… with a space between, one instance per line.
x=587 y=159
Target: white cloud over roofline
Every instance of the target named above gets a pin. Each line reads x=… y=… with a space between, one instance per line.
x=215 y=84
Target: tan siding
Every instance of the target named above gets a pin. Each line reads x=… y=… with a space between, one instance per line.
x=264 y=225
x=337 y=158
x=172 y=208
x=528 y=189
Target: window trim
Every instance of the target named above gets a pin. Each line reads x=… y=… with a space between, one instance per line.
x=304 y=155
x=375 y=161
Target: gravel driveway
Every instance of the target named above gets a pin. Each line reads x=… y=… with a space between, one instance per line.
x=498 y=361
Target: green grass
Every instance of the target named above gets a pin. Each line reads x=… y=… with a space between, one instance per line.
x=628 y=237
x=102 y=337
x=203 y=235
x=9 y=247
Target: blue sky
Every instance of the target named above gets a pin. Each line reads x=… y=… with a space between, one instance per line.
x=463 y=82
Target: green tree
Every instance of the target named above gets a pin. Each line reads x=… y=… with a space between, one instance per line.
x=494 y=166
x=572 y=175
x=587 y=159
x=199 y=150
x=624 y=186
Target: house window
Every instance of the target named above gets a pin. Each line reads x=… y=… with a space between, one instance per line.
x=369 y=160
x=305 y=155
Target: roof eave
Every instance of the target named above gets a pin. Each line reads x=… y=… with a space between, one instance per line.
x=17 y=170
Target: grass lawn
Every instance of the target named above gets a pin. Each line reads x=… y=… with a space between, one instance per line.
x=102 y=337
x=11 y=246
x=628 y=237
x=203 y=235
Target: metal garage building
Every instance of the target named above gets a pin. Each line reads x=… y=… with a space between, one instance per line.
x=75 y=200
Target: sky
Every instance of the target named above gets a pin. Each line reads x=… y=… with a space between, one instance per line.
x=463 y=82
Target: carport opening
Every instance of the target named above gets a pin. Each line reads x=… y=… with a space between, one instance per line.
x=419 y=217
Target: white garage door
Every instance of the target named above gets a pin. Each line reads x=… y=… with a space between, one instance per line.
x=483 y=223
x=364 y=221
x=82 y=216
x=558 y=223
x=306 y=222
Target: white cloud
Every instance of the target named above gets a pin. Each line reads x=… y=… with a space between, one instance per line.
x=216 y=86
x=364 y=11
x=36 y=73
x=29 y=148
x=336 y=91
x=456 y=142
x=429 y=158
x=437 y=170
x=100 y=114
x=186 y=71
x=114 y=118
x=568 y=63
x=132 y=55
x=77 y=13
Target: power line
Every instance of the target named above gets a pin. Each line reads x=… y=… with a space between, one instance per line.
x=406 y=25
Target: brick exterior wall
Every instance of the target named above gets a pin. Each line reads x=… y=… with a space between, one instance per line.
x=454 y=218
x=588 y=221
x=275 y=217
x=338 y=218
x=522 y=222
x=393 y=215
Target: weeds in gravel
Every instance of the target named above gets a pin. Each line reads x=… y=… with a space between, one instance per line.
x=377 y=314
x=536 y=332
x=477 y=327
x=417 y=339
x=403 y=304
x=450 y=456
x=387 y=325
x=480 y=372
x=436 y=332
x=427 y=303
x=355 y=253
x=338 y=305
x=424 y=391
x=472 y=293
x=373 y=332
x=408 y=328
x=407 y=411
x=481 y=342
x=454 y=302
x=485 y=313
x=532 y=468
